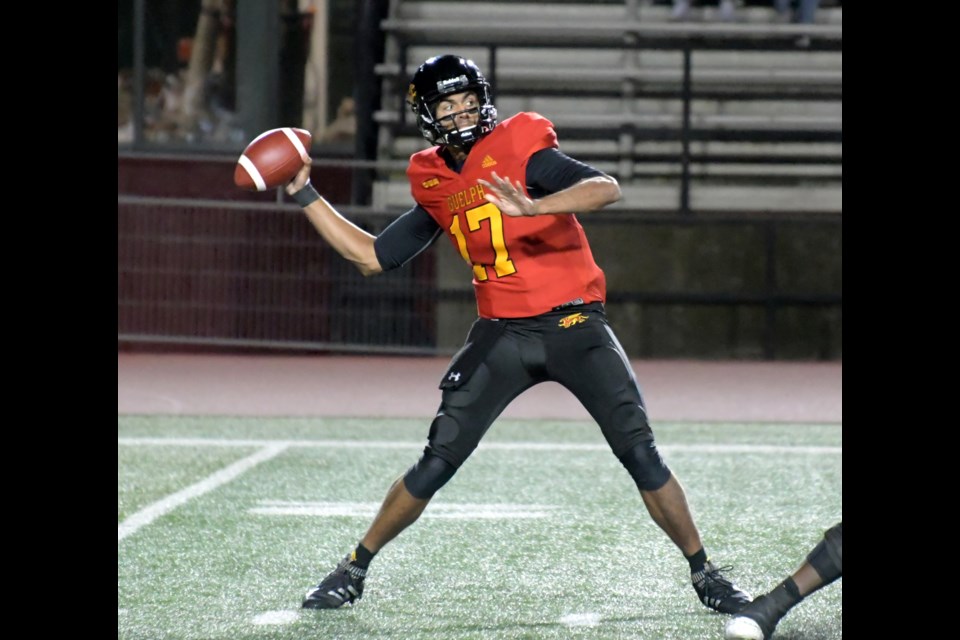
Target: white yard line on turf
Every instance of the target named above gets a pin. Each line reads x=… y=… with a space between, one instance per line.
x=580 y=620
x=162 y=507
x=496 y=511
x=497 y=446
x=275 y=618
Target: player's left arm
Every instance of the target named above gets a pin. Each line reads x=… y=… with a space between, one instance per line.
x=566 y=185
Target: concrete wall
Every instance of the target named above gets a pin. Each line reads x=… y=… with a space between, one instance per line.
x=705 y=289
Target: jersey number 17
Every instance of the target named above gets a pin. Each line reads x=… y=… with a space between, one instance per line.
x=502 y=264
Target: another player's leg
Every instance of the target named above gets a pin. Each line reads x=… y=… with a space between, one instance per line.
x=823 y=566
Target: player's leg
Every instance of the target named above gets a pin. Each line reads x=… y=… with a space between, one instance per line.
x=587 y=358
x=467 y=410
x=481 y=380
x=399 y=510
x=478 y=385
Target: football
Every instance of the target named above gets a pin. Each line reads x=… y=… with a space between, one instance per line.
x=272 y=159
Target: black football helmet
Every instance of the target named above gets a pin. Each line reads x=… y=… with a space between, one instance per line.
x=443 y=76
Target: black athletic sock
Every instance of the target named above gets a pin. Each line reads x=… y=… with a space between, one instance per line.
x=362 y=556
x=697 y=560
x=786 y=596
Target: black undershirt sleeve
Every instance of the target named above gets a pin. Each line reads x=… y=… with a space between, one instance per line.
x=405 y=238
x=550 y=170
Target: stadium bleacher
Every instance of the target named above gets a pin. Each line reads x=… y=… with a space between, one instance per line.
x=693 y=116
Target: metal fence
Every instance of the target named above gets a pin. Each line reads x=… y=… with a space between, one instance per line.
x=221 y=273
x=254 y=273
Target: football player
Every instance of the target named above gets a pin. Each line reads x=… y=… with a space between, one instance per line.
x=507 y=199
x=823 y=566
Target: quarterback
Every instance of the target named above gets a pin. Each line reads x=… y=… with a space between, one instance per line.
x=507 y=199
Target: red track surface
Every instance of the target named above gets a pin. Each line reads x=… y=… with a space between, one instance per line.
x=268 y=385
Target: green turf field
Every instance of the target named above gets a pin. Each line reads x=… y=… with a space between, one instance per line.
x=224 y=522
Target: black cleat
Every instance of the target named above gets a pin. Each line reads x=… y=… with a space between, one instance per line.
x=717 y=592
x=343 y=586
x=756 y=621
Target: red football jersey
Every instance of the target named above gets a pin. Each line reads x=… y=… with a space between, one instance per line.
x=522 y=266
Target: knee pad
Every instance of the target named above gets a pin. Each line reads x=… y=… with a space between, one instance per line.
x=444 y=431
x=827 y=557
x=626 y=427
x=426 y=477
x=645 y=465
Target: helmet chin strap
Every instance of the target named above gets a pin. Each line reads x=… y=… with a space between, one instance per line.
x=461 y=147
x=465 y=145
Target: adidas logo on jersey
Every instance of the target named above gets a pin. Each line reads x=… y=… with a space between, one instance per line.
x=488 y=162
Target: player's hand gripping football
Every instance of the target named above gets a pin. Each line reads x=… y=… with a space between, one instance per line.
x=508 y=197
x=301 y=179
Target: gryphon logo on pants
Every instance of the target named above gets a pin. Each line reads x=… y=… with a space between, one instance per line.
x=568 y=321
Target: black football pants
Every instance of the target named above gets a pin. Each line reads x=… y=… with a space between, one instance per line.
x=503 y=358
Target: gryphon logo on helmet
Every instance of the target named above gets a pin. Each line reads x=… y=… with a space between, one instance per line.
x=443 y=84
